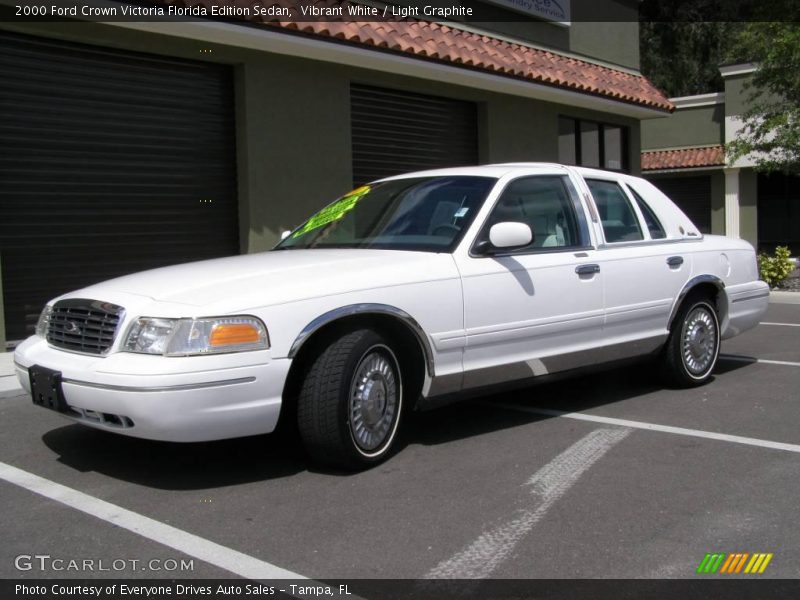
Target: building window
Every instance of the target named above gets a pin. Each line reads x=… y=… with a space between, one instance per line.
x=592 y=144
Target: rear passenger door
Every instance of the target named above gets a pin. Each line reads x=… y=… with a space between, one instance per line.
x=643 y=272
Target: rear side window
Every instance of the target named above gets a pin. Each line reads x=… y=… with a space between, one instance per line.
x=653 y=224
x=619 y=220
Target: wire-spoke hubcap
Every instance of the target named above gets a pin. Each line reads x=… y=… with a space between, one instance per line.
x=373 y=399
x=699 y=340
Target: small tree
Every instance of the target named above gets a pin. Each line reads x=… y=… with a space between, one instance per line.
x=776 y=268
x=771 y=125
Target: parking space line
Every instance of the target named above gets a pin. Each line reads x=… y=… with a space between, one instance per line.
x=710 y=435
x=762 y=361
x=491 y=548
x=781 y=324
x=192 y=545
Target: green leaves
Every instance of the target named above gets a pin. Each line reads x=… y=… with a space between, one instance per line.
x=771 y=124
x=775 y=268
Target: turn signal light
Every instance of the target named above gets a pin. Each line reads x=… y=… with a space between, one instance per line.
x=227 y=334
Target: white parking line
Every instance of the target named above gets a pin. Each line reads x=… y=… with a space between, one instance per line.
x=709 y=435
x=182 y=541
x=781 y=324
x=491 y=548
x=762 y=361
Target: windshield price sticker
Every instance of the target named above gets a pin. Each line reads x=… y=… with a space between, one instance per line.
x=333 y=212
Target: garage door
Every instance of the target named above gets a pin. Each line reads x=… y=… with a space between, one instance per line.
x=692 y=194
x=778 y=212
x=396 y=132
x=111 y=162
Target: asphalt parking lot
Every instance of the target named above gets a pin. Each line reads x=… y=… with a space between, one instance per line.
x=605 y=476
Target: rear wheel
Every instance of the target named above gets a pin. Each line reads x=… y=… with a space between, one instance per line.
x=350 y=401
x=693 y=345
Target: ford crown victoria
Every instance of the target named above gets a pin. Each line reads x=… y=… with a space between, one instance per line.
x=401 y=294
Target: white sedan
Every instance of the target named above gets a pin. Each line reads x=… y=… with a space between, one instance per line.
x=403 y=294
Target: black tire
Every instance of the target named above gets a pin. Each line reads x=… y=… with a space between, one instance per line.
x=692 y=349
x=351 y=401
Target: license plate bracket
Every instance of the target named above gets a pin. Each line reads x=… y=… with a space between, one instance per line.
x=46 y=389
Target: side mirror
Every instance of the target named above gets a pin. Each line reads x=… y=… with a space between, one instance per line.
x=510 y=234
x=285 y=234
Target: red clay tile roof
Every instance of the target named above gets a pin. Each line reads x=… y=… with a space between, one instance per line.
x=684 y=158
x=440 y=43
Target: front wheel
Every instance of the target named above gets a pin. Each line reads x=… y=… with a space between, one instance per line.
x=693 y=345
x=350 y=401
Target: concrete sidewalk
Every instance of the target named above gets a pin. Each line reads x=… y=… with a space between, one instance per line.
x=784 y=297
x=9 y=386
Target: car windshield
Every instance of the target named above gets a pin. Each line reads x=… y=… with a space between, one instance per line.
x=421 y=213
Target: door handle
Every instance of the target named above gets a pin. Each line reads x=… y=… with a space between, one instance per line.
x=675 y=261
x=587 y=269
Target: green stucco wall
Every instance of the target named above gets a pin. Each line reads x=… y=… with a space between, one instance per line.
x=703 y=125
x=293 y=123
x=718 y=203
x=735 y=94
x=748 y=206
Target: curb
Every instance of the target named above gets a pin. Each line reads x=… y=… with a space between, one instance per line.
x=9 y=385
x=784 y=297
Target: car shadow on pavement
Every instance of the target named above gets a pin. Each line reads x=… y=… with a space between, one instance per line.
x=178 y=466
x=580 y=393
x=208 y=465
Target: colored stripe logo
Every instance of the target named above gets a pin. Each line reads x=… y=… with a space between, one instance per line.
x=735 y=562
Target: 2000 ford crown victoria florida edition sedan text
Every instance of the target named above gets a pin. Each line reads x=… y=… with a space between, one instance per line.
x=403 y=292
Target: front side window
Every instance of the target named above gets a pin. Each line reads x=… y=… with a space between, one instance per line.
x=620 y=223
x=421 y=213
x=544 y=204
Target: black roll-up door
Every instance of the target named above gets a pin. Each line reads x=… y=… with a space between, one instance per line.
x=778 y=212
x=396 y=132
x=111 y=162
x=693 y=196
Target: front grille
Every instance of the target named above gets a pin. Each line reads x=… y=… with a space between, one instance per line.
x=87 y=326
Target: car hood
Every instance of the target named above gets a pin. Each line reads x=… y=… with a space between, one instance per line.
x=267 y=278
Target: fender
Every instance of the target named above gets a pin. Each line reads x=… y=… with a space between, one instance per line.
x=368 y=309
x=690 y=285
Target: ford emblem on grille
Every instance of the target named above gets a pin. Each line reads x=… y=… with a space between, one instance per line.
x=72 y=327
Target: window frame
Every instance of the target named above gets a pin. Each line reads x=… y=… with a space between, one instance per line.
x=601 y=127
x=575 y=204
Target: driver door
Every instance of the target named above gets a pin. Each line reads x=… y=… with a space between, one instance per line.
x=537 y=309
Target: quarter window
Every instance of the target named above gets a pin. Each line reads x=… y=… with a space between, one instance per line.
x=620 y=223
x=653 y=224
x=545 y=205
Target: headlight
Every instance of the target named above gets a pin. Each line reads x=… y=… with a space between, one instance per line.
x=185 y=337
x=44 y=321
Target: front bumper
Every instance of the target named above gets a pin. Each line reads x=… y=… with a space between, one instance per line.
x=181 y=399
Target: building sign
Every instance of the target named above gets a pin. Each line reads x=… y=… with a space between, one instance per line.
x=551 y=10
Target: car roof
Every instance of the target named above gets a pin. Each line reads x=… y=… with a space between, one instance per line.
x=495 y=171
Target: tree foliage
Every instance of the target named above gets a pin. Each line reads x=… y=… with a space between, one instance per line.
x=683 y=42
x=771 y=123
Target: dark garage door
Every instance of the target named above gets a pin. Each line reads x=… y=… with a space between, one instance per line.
x=110 y=162
x=778 y=212
x=396 y=132
x=692 y=195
